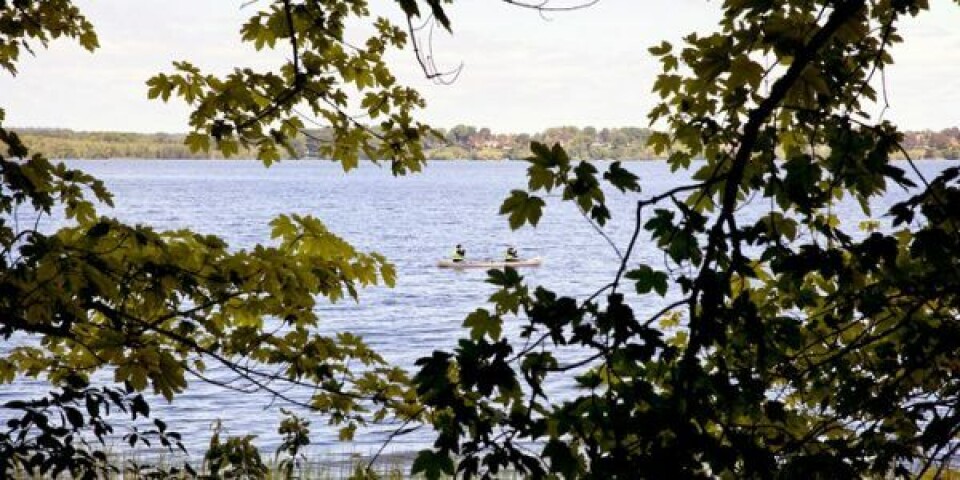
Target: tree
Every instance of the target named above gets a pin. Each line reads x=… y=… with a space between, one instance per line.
x=157 y=307
x=790 y=346
x=461 y=134
x=827 y=354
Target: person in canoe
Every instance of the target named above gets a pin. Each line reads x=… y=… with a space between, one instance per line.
x=511 y=255
x=459 y=254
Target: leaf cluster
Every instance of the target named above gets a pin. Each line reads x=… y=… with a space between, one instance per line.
x=327 y=80
x=46 y=435
x=24 y=23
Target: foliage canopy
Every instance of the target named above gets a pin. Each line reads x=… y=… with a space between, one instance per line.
x=787 y=346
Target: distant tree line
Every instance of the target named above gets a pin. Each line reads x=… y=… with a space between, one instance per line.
x=70 y=144
x=459 y=142
x=931 y=144
x=463 y=141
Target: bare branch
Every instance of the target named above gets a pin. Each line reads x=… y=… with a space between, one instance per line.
x=427 y=64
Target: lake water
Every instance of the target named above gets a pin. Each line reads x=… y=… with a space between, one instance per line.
x=414 y=221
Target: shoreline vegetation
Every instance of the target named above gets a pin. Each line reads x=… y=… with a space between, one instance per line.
x=459 y=142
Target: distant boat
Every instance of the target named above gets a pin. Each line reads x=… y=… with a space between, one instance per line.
x=530 y=262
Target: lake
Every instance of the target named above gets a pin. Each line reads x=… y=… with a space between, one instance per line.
x=414 y=221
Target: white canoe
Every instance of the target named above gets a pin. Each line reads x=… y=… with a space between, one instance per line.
x=530 y=262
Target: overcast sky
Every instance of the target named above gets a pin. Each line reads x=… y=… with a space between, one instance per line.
x=521 y=72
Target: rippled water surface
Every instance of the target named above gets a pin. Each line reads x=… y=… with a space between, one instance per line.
x=413 y=220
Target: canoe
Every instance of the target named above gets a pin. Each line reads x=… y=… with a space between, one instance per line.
x=529 y=262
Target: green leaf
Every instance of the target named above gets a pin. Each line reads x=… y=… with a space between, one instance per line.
x=662 y=49
x=648 y=279
x=621 y=178
x=99 y=230
x=667 y=84
x=563 y=459
x=74 y=417
x=346 y=433
x=481 y=323
x=432 y=465
x=229 y=148
x=540 y=178
x=522 y=208
x=197 y=142
x=159 y=86
x=744 y=71
x=684 y=246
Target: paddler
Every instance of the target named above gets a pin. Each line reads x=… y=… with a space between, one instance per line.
x=459 y=254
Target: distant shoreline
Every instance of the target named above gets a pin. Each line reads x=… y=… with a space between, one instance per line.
x=458 y=143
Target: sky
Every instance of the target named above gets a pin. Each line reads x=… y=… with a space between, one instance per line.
x=522 y=72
